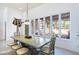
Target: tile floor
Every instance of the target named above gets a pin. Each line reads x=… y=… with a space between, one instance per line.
x=60 y=51
x=6 y=50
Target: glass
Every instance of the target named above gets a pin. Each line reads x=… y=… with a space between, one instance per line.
x=32 y=24
x=55 y=24
x=65 y=24
x=41 y=26
x=36 y=26
x=47 y=23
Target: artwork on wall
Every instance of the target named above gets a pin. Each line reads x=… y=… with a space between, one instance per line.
x=17 y=22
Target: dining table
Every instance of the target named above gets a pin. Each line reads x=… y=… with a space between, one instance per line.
x=35 y=41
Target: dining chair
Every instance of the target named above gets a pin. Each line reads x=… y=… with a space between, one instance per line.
x=22 y=51
x=12 y=43
x=49 y=47
x=18 y=48
x=15 y=47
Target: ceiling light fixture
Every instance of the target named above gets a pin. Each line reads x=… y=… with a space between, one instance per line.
x=20 y=8
x=27 y=20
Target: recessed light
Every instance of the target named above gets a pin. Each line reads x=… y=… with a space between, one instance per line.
x=20 y=8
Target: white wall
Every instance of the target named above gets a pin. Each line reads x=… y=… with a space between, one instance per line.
x=1 y=24
x=10 y=27
x=53 y=9
x=49 y=9
x=8 y=15
x=75 y=29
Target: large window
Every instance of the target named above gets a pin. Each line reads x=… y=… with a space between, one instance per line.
x=61 y=27
x=41 y=26
x=65 y=25
x=55 y=24
x=47 y=24
x=32 y=26
x=36 y=26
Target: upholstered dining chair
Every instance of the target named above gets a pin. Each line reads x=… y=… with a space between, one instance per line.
x=15 y=47
x=49 y=47
x=23 y=51
x=18 y=48
x=12 y=43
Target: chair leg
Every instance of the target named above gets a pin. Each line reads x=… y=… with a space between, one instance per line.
x=53 y=53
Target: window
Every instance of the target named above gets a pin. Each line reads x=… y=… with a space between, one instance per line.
x=41 y=26
x=47 y=24
x=55 y=24
x=36 y=26
x=32 y=24
x=61 y=26
x=65 y=25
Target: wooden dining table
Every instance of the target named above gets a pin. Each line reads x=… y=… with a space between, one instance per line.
x=34 y=41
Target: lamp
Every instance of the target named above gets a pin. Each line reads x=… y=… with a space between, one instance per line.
x=17 y=23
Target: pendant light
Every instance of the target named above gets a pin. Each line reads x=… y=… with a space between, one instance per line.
x=27 y=20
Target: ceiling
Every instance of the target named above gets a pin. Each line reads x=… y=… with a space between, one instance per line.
x=20 y=6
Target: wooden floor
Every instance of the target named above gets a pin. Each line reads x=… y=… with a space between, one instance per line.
x=6 y=50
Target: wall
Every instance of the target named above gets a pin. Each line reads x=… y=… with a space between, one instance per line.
x=8 y=17
x=53 y=9
x=75 y=29
x=1 y=24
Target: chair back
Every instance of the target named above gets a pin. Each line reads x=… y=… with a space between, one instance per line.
x=49 y=46
x=52 y=44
